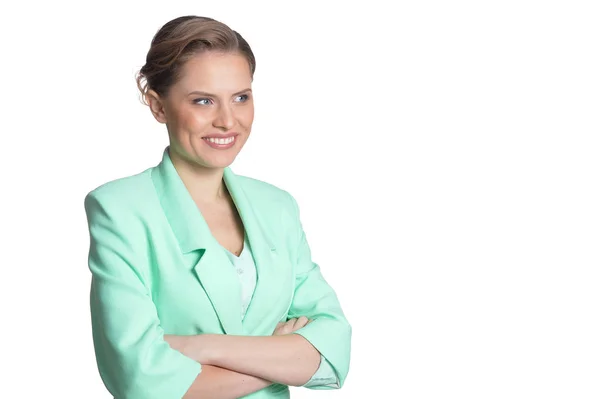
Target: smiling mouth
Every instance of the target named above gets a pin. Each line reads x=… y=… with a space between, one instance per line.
x=220 y=141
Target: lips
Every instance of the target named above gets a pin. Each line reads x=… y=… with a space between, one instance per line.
x=217 y=135
x=221 y=142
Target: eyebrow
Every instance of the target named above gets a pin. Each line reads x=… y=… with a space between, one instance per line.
x=203 y=93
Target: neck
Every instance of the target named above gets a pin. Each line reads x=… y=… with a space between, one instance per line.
x=206 y=185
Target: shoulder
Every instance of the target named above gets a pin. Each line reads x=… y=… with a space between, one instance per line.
x=261 y=191
x=125 y=193
x=259 y=188
x=267 y=198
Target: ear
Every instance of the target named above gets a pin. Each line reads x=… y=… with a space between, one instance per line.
x=157 y=106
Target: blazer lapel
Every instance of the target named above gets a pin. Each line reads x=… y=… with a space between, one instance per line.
x=200 y=249
x=273 y=279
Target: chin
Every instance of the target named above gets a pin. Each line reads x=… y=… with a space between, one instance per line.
x=219 y=165
x=218 y=162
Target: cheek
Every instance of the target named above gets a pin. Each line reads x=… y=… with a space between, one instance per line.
x=189 y=119
x=247 y=116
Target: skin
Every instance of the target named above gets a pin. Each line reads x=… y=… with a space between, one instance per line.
x=232 y=366
x=189 y=117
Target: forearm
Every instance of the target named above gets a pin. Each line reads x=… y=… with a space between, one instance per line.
x=286 y=359
x=218 y=383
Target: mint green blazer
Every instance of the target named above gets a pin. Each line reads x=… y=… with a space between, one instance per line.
x=157 y=269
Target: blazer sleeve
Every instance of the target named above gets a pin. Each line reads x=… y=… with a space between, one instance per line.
x=329 y=332
x=134 y=360
x=323 y=377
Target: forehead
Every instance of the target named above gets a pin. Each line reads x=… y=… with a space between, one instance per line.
x=219 y=73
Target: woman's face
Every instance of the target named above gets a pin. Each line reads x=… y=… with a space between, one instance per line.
x=210 y=110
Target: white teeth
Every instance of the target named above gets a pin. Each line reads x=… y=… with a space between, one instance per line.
x=227 y=140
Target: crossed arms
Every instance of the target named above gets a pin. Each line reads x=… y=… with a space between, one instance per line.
x=137 y=360
x=235 y=366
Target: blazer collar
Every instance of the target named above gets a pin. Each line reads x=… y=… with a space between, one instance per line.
x=213 y=269
x=185 y=218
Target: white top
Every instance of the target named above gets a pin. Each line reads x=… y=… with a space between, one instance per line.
x=245 y=268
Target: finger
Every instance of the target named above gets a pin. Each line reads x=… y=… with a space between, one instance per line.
x=300 y=322
x=288 y=326
x=291 y=321
x=277 y=328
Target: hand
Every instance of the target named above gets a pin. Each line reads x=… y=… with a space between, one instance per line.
x=288 y=327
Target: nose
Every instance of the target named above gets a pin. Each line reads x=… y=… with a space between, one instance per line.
x=224 y=118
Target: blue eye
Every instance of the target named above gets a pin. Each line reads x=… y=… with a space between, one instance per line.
x=244 y=96
x=198 y=101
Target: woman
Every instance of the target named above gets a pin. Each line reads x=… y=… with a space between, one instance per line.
x=202 y=280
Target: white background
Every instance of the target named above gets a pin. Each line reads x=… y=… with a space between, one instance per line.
x=445 y=156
